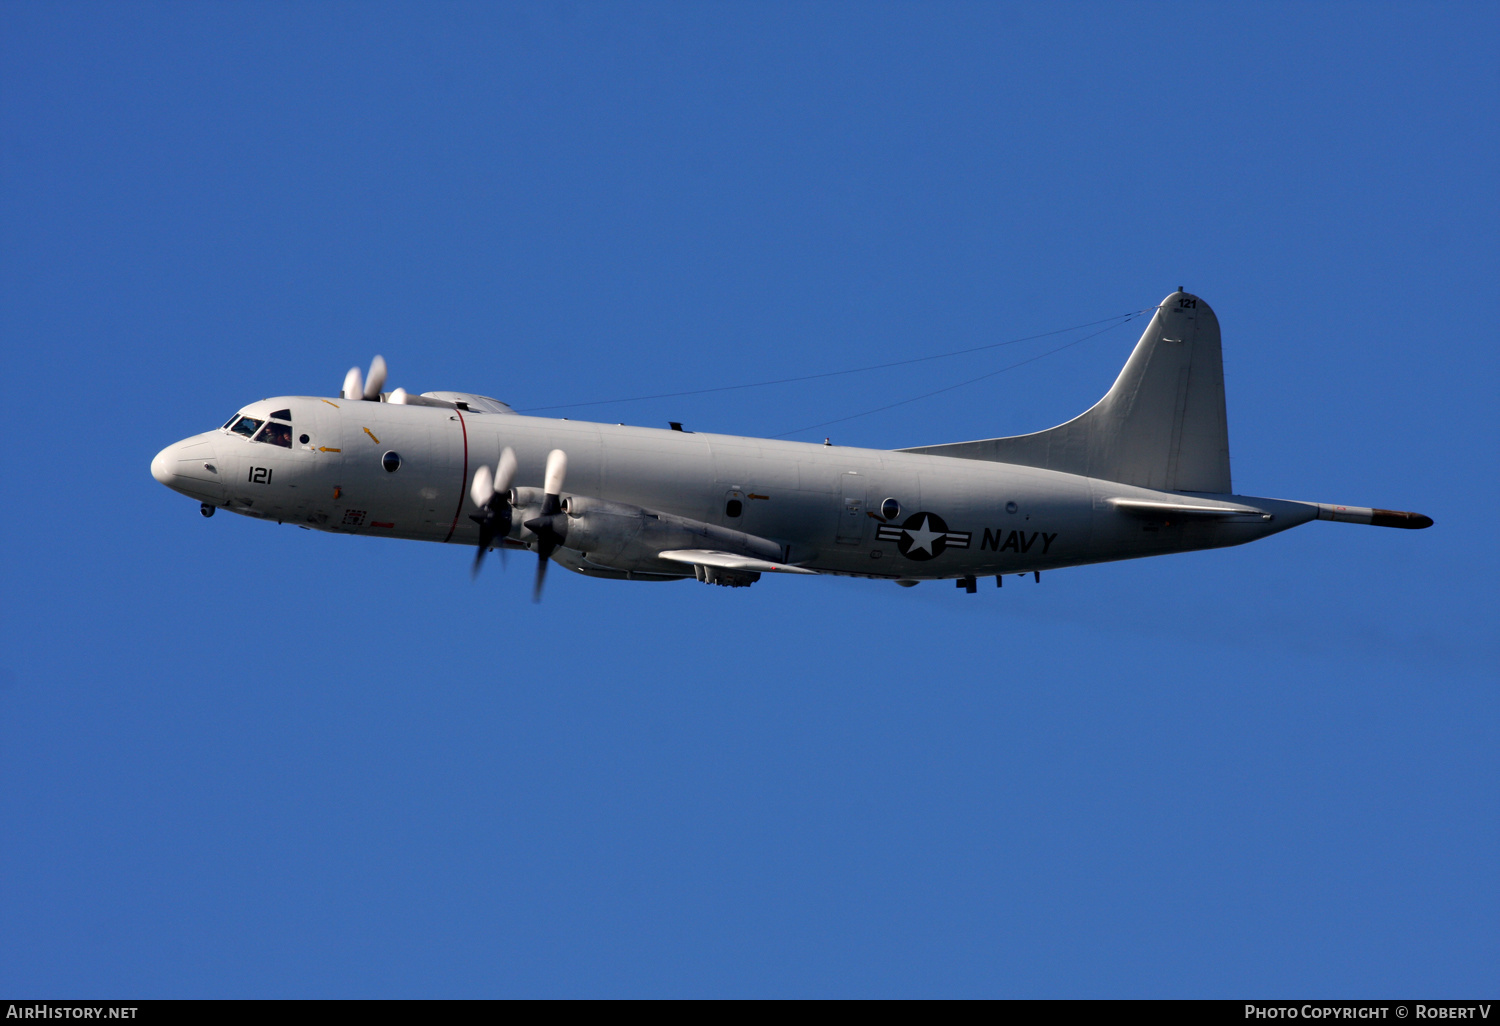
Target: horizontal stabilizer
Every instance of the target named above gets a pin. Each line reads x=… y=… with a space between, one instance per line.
x=1197 y=511
x=729 y=561
x=1377 y=517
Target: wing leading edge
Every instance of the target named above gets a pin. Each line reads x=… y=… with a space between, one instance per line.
x=729 y=561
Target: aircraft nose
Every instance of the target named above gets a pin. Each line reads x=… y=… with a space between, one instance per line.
x=161 y=465
x=191 y=467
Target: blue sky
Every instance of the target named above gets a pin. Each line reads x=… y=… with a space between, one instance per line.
x=242 y=760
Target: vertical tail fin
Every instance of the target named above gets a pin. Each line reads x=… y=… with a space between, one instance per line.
x=1162 y=425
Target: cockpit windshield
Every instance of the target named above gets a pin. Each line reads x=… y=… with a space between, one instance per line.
x=246 y=426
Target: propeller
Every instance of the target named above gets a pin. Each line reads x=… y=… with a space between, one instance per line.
x=551 y=527
x=376 y=378
x=357 y=387
x=491 y=493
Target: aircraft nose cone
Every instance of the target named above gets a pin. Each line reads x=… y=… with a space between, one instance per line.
x=161 y=466
x=191 y=467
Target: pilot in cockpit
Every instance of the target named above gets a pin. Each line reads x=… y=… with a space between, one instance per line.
x=276 y=434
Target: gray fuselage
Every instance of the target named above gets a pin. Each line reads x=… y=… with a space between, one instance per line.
x=823 y=504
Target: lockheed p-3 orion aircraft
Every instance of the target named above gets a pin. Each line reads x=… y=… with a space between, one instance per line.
x=1142 y=473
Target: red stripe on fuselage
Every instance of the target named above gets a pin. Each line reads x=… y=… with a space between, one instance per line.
x=463 y=481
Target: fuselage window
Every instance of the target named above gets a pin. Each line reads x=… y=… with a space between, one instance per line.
x=733 y=508
x=276 y=434
x=246 y=426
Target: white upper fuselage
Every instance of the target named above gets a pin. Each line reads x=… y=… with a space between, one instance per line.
x=822 y=504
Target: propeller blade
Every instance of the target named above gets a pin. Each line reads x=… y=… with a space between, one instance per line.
x=483 y=489
x=551 y=527
x=557 y=469
x=376 y=380
x=491 y=493
x=505 y=470
x=398 y=397
x=543 y=558
x=354 y=387
x=491 y=526
x=551 y=530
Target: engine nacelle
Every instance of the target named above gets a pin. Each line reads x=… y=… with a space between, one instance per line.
x=621 y=536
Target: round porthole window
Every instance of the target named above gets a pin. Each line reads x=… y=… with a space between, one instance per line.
x=391 y=461
x=1011 y=507
x=303 y=439
x=890 y=509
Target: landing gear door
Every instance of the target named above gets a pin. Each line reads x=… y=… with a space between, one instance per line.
x=852 y=502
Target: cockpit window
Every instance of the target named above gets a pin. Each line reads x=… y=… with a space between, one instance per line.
x=246 y=426
x=282 y=415
x=230 y=421
x=276 y=434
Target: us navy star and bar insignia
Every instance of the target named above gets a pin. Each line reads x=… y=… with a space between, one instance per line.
x=923 y=536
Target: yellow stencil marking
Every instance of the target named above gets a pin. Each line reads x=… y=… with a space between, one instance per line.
x=372 y=436
x=754 y=496
x=324 y=448
x=333 y=404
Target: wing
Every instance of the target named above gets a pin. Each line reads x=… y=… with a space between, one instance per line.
x=729 y=561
